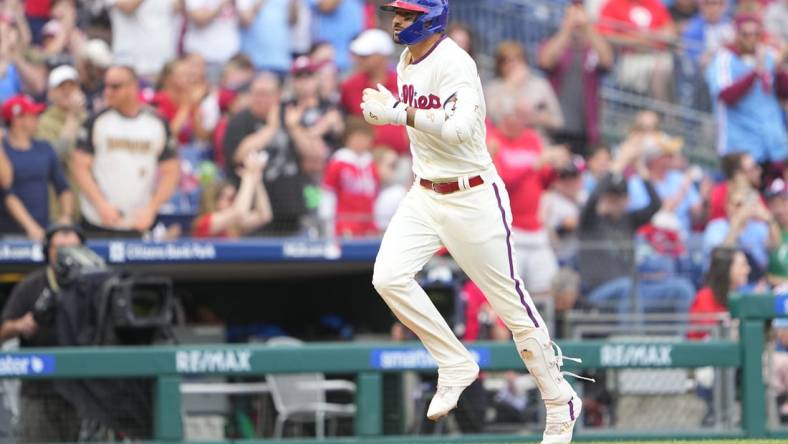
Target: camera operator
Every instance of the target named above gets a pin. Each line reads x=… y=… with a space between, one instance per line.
x=45 y=416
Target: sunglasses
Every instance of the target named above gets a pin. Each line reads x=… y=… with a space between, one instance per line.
x=115 y=85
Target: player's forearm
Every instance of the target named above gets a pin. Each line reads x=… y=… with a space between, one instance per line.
x=453 y=129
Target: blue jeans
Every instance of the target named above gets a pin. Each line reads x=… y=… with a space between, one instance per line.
x=669 y=295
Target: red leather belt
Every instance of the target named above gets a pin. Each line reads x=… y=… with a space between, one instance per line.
x=449 y=187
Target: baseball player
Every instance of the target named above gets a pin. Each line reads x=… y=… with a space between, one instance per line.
x=458 y=201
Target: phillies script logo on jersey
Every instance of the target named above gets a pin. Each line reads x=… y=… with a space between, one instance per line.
x=412 y=98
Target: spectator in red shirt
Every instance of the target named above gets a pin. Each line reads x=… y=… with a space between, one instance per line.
x=233 y=212
x=740 y=170
x=351 y=184
x=371 y=51
x=728 y=271
x=186 y=103
x=526 y=169
x=641 y=29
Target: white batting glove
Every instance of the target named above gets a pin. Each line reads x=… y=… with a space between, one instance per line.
x=380 y=107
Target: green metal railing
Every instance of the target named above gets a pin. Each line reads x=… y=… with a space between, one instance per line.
x=370 y=361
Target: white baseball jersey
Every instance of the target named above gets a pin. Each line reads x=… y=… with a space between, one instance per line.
x=429 y=83
x=474 y=224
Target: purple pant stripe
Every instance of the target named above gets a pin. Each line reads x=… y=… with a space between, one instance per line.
x=571 y=409
x=511 y=260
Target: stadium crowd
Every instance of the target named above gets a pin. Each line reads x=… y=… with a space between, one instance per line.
x=229 y=118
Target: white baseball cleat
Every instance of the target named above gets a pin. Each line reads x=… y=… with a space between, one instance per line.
x=561 y=421
x=444 y=401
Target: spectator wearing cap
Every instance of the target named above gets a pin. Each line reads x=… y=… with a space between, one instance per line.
x=36 y=166
x=575 y=59
x=526 y=168
x=607 y=258
x=560 y=209
x=212 y=31
x=265 y=33
x=676 y=189
x=61 y=121
x=338 y=22
x=94 y=59
x=144 y=33
x=741 y=79
x=320 y=117
x=513 y=77
x=19 y=74
x=125 y=163
x=371 y=51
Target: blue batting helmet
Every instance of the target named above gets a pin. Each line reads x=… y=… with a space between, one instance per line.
x=433 y=19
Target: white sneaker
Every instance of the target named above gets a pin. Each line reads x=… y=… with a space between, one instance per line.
x=561 y=421
x=444 y=401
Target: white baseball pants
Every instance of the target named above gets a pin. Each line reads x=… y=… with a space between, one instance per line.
x=475 y=226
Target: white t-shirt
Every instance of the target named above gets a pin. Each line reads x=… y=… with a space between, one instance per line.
x=429 y=83
x=145 y=39
x=218 y=40
x=126 y=154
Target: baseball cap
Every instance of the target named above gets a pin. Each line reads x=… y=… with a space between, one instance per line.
x=20 y=104
x=302 y=64
x=614 y=183
x=62 y=74
x=372 y=41
x=572 y=169
x=97 y=52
